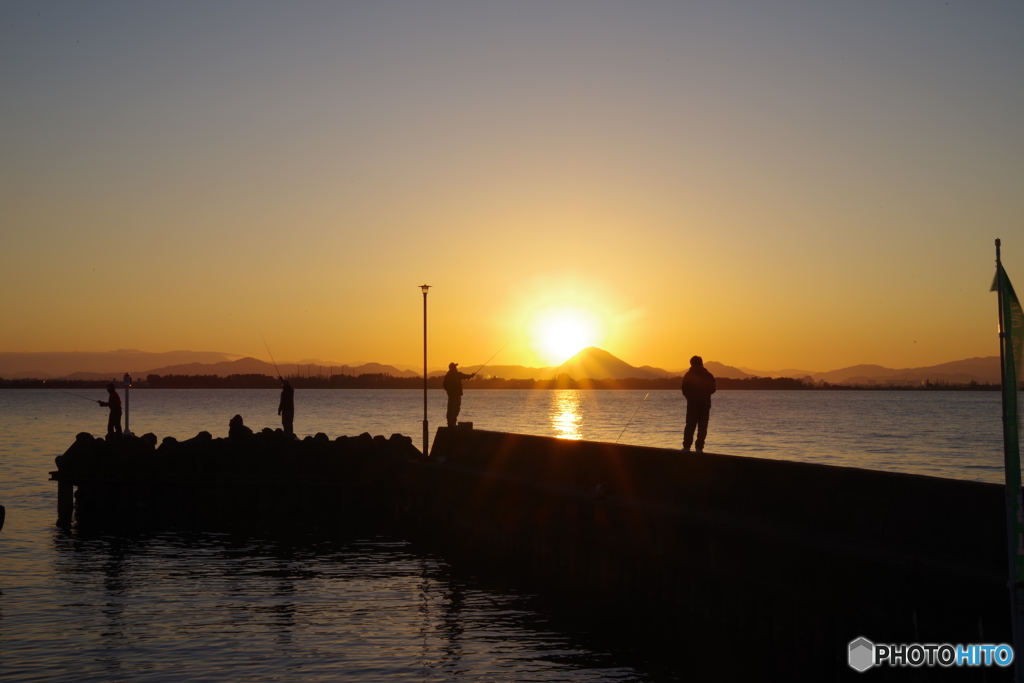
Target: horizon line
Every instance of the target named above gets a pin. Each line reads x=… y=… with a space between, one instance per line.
x=413 y=367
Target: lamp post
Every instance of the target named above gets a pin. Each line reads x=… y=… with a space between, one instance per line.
x=426 y=429
x=127 y=387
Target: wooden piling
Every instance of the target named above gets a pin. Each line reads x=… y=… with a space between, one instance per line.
x=65 y=501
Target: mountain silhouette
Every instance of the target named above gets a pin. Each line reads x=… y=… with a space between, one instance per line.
x=983 y=370
x=503 y=371
x=721 y=370
x=960 y=371
x=100 y=364
x=377 y=369
x=242 y=366
x=247 y=366
x=597 y=363
x=592 y=363
x=255 y=366
x=785 y=372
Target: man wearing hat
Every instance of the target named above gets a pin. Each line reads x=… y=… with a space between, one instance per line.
x=698 y=385
x=453 y=385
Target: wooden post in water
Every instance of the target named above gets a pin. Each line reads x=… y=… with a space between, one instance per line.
x=127 y=389
x=426 y=428
x=65 y=500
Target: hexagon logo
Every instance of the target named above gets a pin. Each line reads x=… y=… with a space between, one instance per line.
x=862 y=654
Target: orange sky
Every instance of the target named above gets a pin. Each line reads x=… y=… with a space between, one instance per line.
x=805 y=186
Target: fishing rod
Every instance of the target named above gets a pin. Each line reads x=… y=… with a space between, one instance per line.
x=634 y=415
x=491 y=358
x=271 y=356
x=91 y=400
x=469 y=411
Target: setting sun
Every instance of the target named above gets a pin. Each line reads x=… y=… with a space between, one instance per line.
x=556 y=334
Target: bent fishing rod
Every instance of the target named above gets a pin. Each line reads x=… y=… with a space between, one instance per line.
x=91 y=400
x=486 y=364
x=634 y=415
x=491 y=358
x=271 y=357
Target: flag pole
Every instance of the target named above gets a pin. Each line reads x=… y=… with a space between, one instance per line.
x=1011 y=466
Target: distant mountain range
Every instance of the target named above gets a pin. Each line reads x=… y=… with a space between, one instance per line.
x=51 y=365
x=599 y=364
x=83 y=365
x=984 y=370
x=255 y=366
x=592 y=362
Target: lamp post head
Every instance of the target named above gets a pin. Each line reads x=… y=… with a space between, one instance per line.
x=424 y=288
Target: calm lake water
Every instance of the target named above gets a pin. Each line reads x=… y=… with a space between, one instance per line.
x=217 y=607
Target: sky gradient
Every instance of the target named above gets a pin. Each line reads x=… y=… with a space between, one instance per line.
x=768 y=184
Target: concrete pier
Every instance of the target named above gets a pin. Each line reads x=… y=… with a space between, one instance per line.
x=796 y=558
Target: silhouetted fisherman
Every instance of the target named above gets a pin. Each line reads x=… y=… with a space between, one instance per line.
x=286 y=409
x=453 y=385
x=698 y=385
x=114 y=403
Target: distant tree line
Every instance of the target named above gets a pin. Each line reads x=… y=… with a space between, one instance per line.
x=385 y=381
x=563 y=381
x=56 y=383
x=252 y=381
x=928 y=385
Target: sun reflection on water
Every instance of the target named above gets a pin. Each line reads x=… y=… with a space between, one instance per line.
x=566 y=414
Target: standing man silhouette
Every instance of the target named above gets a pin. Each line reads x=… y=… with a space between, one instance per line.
x=698 y=385
x=286 y=408
x=453 y=385
x=114 y=403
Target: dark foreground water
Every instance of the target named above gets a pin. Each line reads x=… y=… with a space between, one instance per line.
x=196 y=607
x=201 y=606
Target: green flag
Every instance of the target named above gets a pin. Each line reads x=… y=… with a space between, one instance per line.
x=1012 y=322
x=1011 y=327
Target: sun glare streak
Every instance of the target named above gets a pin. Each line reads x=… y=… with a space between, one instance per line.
x=566 y=415
x=558 y=333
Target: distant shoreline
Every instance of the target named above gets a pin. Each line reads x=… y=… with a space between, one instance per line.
x=384 y=381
